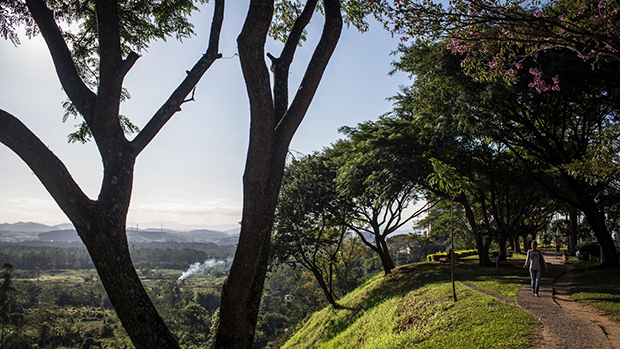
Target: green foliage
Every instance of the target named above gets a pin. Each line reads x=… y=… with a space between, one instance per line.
x=589 y=250
x=308 y=228
x=496 y=37
x=354 y=13
x=7 y=296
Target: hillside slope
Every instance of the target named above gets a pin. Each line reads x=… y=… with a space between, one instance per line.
x=414 y=308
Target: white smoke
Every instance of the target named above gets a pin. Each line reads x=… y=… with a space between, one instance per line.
x=200 y=267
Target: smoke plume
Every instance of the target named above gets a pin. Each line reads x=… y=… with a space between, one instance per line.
x=200 y=267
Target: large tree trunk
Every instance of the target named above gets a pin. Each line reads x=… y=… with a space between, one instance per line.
x=597 y=222
x=108 y=248
x=104 y=234
x=502 y=248
x=514 y=244
x=273 y=124
x=242 y=291
x=526 y=246
x=596 y=218
x=572 y=237
x=483 y=252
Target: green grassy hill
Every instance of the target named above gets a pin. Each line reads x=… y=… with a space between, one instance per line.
x=413 y=307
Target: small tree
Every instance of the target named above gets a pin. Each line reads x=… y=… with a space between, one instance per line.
x=377 y=189
x=307 y=230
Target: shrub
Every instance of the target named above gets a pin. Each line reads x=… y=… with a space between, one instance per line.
x=458 y=254
x=589 y=249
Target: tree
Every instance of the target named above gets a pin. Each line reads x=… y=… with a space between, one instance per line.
x=307 y=228
x=546 y=131
x=374 y=181
x=274 y=120
x=496 y=36
x=91 y=65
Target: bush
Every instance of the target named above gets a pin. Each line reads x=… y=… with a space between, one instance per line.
x=589 y=249
x=458 y=254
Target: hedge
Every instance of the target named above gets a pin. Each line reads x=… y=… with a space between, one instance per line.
x=458 y=254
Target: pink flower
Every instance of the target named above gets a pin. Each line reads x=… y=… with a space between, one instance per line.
x=537 y=13
x=492 y=64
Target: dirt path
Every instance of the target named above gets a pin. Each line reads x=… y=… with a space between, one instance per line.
x=566 y=323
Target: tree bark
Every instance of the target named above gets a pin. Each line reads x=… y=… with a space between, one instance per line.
x=327 y=291
x=483 y=252
x=101 y=223
x=596 y=218
x=384 y=254
x=242 y=291
x=107 y=245
x=502 y=248
x=271 y=130
x=572 y=237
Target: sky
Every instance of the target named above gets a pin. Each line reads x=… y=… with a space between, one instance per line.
x=192 y=171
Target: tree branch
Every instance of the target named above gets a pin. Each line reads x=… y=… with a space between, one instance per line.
x=251 y=46
x=82 y=97
x=314 y=72
x=46 y=166
x=108 y=33
x=177 y=98
x=283 y=63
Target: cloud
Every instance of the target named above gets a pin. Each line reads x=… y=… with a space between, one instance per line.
x=199 y=208
x=203 y=213
x=26 y=209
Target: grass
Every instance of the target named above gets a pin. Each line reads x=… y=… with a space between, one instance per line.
x=508 y=283
x=414 y=307
x=599 y=287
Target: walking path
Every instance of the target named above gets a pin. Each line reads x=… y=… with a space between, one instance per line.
x=566 y=324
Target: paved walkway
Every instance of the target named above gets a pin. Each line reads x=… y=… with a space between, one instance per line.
x=566 y=324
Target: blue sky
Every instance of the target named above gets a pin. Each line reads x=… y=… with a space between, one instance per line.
x=191 y=173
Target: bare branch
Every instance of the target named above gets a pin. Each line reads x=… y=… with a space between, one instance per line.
x=314 y=72
x=46 y=166
x=177 y=98
x=283 y=63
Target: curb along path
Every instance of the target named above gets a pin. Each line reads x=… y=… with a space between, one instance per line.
x=563 y=326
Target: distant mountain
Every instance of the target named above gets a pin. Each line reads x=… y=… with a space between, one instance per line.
x=32 y=227
x=234 y=231
x=152 y=236
x=230 y=240
x=169 y=225
x=210 y=235
x=65 y=232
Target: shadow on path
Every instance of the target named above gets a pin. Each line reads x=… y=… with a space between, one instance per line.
x=563 y=328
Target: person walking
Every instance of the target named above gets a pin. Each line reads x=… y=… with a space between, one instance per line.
x=537 y=263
